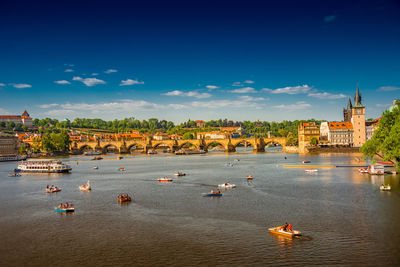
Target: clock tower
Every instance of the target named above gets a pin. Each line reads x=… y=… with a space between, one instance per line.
x=358 y=121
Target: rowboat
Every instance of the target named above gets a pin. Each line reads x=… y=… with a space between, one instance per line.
x=226 y=186
x=278 y=231
x=311 y=170
x=71 y=209
x=86 y=187
x=249 y=177
x=385 y=187
x=212 y=194
x=164 y=179
x=54 y=189
x=123 y=198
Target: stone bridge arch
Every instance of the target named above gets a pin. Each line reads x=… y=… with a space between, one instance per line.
x=190 y=142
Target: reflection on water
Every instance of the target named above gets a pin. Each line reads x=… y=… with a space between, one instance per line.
x=344 y=217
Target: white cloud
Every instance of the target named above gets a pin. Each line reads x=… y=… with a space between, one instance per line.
x=326 y=95
x=291 y=90
x=388 y=88
x=3 y=111
x=383 y=105
x=21 y=85
x=298 y=106
x=69 y=70
x=89 y=81
x=130 y=82
x=2 y=84
x=48 y=105
x=329 y=18
x=110 y=71
x=226 y=104
x=70 y=65
x=94 y=74
x=243 y=83
x=62 y=82
x=248 y=81
x=189 y=94
x=212 y=87
x=244 y=90
x=250 y=98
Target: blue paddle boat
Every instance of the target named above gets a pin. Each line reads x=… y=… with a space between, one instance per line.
x=213 y=194
x=65 y=208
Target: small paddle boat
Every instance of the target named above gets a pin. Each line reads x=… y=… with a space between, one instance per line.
x=229 y=164
x=86 y=187
x=52 y=189
x=306 y=161
x=120 y=157
x=249 y=177
x=124 y=198
x=237 y=159
x=65 y=208
x=385 y=187
x=14 y=174
x=180 y=174
x=311 y=170
x=95 y=167
x=164 y=179
x=279 y=231
x=226 y=186
x=363 y=170
x=121 y=169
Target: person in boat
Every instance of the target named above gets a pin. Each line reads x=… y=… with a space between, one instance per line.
x=284 y=227
x=60 y=206
x=289 y=228
x=218 y=192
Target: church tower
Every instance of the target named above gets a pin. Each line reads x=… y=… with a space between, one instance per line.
x=358 y=121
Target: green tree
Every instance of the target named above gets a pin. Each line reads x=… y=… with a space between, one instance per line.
x=385 y=142
x=187 y=135
x=313 y=141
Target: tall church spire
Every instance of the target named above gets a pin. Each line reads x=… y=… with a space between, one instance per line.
x=349 y=105
x=357 y=97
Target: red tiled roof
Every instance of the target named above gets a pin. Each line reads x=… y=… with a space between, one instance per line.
x=340 y=125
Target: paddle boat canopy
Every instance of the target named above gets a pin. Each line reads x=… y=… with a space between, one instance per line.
x=279 y=231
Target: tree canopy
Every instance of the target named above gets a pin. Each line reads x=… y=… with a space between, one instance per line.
x=385 y=142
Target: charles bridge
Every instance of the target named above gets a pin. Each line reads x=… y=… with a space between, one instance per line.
x=229 y=145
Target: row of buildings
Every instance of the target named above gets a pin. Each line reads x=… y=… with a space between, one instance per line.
x=353 y=131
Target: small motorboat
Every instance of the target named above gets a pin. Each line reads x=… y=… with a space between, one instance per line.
x=226 y=186
x=121 y=169
x=237 y=159
x=86 y=187
x=120 y=157
x=97 y=158
x=65 y=208
x=164 y=179
x=95 y=167
x=306 y=161
x=229 y=164
x=124 y=198
x=14 y=174
x=52 y=189
x=385 y=187
x=363 y=170
x=249 y=177
x=279 y=231
x=180 y=174
x=311 y=170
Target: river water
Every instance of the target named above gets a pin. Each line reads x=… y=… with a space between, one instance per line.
x=344 y=217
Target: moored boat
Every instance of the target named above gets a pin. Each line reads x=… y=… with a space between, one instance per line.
x=279 y=231
x=226 y=186
x=164 y=179
x=180 y=174
x=43 y=165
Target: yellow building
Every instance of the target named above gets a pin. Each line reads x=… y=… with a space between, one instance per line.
x=358 y=121
x=306 y=131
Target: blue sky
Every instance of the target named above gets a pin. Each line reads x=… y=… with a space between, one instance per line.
x=241 y=60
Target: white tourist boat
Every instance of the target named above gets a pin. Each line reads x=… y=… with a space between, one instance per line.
x=226 y=186
x=43 y=165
